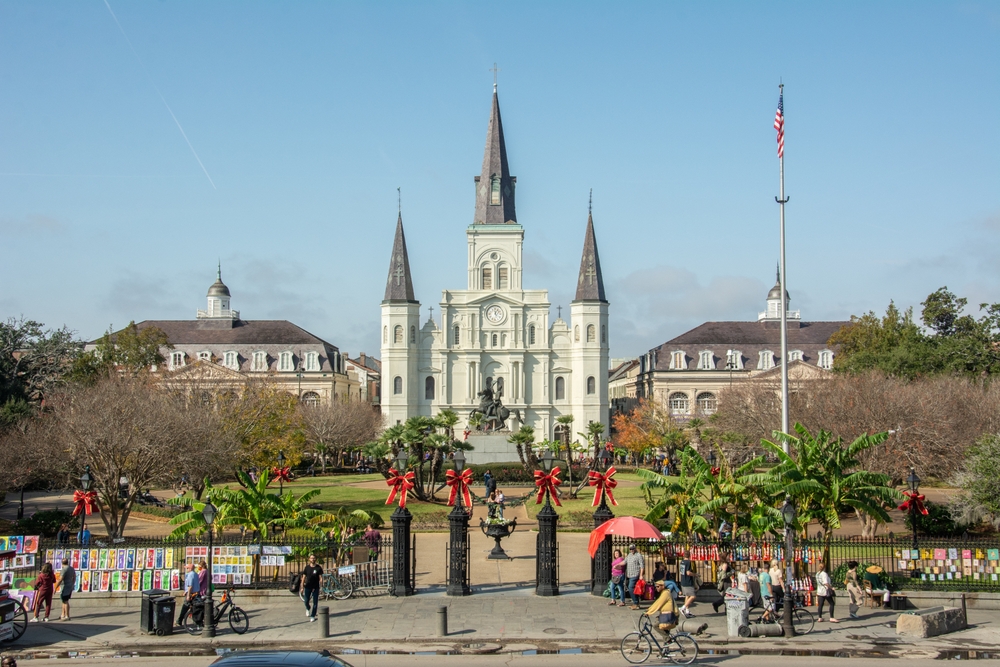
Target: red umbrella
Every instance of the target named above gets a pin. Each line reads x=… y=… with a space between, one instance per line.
x=628 y=526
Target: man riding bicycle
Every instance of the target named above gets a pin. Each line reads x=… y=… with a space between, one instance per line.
x=663 y=612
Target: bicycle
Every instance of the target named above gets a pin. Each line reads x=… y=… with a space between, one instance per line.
x=802 y=618
x=636 y=647
x=336 y=587
x=238 y=619
x=17 y=617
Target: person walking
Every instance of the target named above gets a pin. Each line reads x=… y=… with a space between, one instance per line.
x=192 y=588
x=62 y=537
x=687 y=583
x=373 y=540
x=67 y=584
x=725 y=581
x=312 y=575
x=617 y=579
x=635 y=565
x=489 y=482
x=825 y=592
x=203 y=581
x=854 y=591
x=45 y=584
x=777 y=582
x=501 y=499
x=83 y=537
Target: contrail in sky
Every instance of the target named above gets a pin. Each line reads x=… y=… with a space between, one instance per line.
x=152 y=83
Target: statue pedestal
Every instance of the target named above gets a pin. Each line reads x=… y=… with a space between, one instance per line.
x=491 y=448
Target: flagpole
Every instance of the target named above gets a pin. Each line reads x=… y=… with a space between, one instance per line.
x=782 y=200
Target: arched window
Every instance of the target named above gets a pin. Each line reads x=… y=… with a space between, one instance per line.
x=176 y=360
x=795 y=355
x=706 y=361
x=495 y=191
x=560 y=389
x=205 y=356
x=562 y=433
x=397 y=385
x=531 y=335
x=429 y=388
x=494 y=340
x=413 y=334
x=397 y=334
x=259 y=361
x=457 y=334
x=385 y=334
x=487 y=277
x=312 y=361
x=678 y=403
x=503 y=340
x=707 y=403
x=502 y=280
x=604 y=333
x=825 y=359
x=678 y=361
x=286 y=362
x=591 y=333
x=591 y=385
x=766 y=360
x=232 y=360
x=576 y=333
x=310 y=398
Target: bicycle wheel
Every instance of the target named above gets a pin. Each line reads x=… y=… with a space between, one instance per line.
x=20 y=622
x=238 y=620
x=342 y=589
x=802 y=621
x=683 y=649
x=636 y=648
x=193 y=620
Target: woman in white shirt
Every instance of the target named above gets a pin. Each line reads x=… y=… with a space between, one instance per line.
x=825 y=592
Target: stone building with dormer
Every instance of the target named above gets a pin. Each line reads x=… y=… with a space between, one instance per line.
x=495 y=329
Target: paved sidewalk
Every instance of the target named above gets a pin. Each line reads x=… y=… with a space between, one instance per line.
x=509 y=618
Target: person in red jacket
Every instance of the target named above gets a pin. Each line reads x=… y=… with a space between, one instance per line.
x=45 y=584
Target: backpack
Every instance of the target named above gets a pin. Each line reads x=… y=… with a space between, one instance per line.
x=294 y=583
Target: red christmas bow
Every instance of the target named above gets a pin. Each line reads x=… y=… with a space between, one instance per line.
x=459 y=481
x=603 y=482
x=715 y=471
x=284 y=474
x=85 y=501
x=547 y=483
x=400 y=483
x=913 y=499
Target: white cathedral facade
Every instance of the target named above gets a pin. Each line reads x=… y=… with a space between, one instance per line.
x=495 y=329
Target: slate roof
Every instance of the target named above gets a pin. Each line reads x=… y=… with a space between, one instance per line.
x=399 y=285
x=590 y=286
x=495 y=164
x=750 y=338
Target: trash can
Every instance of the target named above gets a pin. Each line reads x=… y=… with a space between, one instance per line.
x=148 y=613
x=163 y=615
x=737 y=610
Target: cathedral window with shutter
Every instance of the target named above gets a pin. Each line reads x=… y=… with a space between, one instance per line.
x=487 y=277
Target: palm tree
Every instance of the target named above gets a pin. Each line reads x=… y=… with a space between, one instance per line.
x=567 y=423
x=732 y=494
x=822 y=474
x=523 y=439
x=684 y=496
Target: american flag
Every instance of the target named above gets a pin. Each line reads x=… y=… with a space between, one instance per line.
x=779 y=124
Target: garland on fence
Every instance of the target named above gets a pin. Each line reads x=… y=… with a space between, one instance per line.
x=547 y=482
x=913 y=500
x=86 y=502
x=602 y=483
x=400 y=483
x=459 y=483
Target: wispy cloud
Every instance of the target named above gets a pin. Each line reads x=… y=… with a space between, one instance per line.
x=31 y=225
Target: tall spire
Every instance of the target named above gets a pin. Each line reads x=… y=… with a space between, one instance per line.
x=399 y=286
x=495 y=186
x=590 y=286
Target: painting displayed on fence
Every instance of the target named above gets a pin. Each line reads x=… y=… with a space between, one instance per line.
x=120 y=570
x=950 y=564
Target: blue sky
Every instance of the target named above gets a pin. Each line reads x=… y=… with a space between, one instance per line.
x=308 y=116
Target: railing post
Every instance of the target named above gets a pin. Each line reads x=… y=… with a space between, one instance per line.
x=402 y=585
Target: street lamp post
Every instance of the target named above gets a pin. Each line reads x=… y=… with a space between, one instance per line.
x=458 y=540
x=914 y=483
x=788 y=514
x=86 y=481
x=281 y=470
x=600 y=566
x=208 y=629
x=547 y=583
x=401 y=519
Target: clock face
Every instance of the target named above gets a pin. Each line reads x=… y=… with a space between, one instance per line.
x=494 y=314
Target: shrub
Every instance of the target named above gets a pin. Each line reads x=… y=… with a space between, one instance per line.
x=169 y=512
x=938 y=522
x=47 y=522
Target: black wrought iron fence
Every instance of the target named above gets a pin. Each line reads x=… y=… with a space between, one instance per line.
x=938 y=563
x=134 y=564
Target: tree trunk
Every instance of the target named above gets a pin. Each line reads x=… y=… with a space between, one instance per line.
x=869 y=524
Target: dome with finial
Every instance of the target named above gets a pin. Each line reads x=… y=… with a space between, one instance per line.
x=219 y=288
x=775 y=292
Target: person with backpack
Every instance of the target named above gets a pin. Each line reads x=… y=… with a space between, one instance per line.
x=663 y=611
x=687 y=577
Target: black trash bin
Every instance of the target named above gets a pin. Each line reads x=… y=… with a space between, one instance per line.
x=163 y=617
x=153 y=601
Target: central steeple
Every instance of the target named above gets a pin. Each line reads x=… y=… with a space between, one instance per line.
x=495 y=186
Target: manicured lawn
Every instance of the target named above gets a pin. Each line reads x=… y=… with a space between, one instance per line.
x=631 y=501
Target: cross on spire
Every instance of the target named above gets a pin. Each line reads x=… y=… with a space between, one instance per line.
x=399 y=200
x=430 y=310
x=494 y=69
x=559 y=310
x=590 y=202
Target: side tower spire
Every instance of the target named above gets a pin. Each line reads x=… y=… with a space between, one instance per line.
x=495 y=185
x=399 y=286
x=590 y=286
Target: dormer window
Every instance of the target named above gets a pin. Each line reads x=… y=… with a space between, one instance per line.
x=204 y=355
x=231 y=360
x=286 y=362
x=176 y=360
x=495 y=191
x=678 y=361
x=259 y=362
x=312 y=361
x=795 y=355
x=706 y=361
x=825 y=359
x=734 y=360
x=766 y=360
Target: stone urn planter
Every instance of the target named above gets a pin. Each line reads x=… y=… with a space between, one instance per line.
x=498 y=531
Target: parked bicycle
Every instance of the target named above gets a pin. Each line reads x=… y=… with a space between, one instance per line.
x=802 y=618
x=238 y=619
x=678 y=647
x=336 y=586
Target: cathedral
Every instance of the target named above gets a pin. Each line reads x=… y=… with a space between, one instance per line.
x=495 y=339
